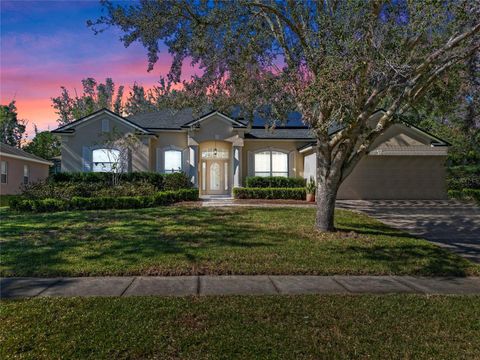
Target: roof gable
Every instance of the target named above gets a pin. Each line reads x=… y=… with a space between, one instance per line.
x=68 y=128
x=209 y=115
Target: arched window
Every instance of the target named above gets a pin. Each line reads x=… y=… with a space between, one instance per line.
x=106 y=160
x=173 y=161
x=271 y=163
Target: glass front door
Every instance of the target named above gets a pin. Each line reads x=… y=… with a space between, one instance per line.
x=215 y=177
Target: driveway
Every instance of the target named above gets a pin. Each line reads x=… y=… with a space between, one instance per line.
x=451 y=224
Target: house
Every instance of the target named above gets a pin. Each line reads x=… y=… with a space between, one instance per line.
x=218 y=151
x=19 y=167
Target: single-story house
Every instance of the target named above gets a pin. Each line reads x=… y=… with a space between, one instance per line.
x=218 y=151
x=19 y=167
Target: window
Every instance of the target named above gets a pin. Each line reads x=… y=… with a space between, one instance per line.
x=173 y=161
x=214 y=153
x=26 y=174
x=105 y=125
x=271 y=163
x=4 y=173
x=106 y=160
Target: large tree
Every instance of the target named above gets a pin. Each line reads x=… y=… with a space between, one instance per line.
x=44 y=144
x=95 y=96
x=12 y=129
x=335 y=61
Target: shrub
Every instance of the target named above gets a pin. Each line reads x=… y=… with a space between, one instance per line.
x=104 y=202
x=274 y=182
x=269 y=193
x=463 y=177
x=465 y=194
x=161 y=182
x=176 y=181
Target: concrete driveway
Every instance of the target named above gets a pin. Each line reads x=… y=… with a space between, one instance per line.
x=451 y=224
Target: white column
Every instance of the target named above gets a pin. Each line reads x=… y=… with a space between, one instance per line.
x=193 y=164
x=237 y=166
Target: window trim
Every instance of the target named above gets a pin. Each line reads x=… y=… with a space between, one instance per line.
x=271 y=150
x=2 y=174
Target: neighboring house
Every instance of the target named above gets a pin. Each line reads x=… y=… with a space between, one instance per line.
x=218 y=152
x=19 y=167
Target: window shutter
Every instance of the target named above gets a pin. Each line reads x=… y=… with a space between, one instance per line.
x=160 y=161
x=186 y=161
x=251 y=164
x=87 y=159
x=291 y=164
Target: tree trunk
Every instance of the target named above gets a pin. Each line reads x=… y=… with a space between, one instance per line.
x=328 y=182
x=326 y=197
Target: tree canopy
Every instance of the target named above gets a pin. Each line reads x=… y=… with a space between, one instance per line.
x=12 y=129
x=44 y=144
x=335 y=61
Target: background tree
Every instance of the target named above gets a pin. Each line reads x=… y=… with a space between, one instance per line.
x=95 y=96
x=139 y=100
x=12 y=130
x=44 y=144
x=337 y=62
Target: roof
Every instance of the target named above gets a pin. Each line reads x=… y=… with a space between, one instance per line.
x=284 y=132
x=68 y=127
x=10 y=151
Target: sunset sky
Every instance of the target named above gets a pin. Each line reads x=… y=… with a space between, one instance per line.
x=46 y=44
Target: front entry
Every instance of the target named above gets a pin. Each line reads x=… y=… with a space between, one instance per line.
x=215 y=177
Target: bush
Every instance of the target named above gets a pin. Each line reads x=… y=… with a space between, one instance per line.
x=104 y=202
x=465 y=194
x=463 y=177
x=269 y=193
x=274 y=182
x=161 y=182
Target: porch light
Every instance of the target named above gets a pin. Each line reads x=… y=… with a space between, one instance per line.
x=215 y=152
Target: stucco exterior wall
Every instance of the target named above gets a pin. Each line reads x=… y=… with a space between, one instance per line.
x=165 y=139
x=252 y=146
x=89 y=134
x=15 y=174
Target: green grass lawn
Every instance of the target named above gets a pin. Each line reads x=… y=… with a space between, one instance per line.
x=281 y=327
x=193 y=240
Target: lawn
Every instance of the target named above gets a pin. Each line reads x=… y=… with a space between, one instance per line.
x=180 y=240
x=302 y=327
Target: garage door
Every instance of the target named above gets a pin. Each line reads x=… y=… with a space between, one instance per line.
x=396 y=178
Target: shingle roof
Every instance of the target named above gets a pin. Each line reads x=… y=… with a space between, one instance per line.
x=258 y=132
x=175 y=119
x=164 y=119
x=10 y=150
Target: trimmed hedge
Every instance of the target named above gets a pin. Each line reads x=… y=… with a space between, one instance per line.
x=465 y=194
x=173 y=181
x=274 y=182
x=102 y=203
x=270 y=193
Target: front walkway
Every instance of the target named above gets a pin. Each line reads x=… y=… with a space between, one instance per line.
x=234 y=285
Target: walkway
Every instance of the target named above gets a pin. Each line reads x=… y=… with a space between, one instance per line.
x=454 y=225
x=234 y=285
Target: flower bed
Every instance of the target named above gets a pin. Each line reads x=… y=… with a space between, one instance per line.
x=102 y=203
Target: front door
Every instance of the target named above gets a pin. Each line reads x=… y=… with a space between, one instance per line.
x=215 y=177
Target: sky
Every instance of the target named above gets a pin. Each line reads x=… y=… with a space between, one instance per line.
x=46 y=44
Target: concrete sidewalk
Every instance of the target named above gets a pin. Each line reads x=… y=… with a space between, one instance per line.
x=234 y=285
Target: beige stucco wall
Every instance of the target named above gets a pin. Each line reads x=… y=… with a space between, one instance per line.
x=15 y=174
x=164 y=139
x=90 y=134
x=285 y=145
x=397 y=178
